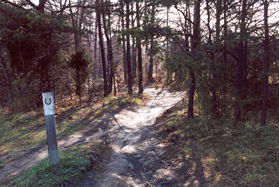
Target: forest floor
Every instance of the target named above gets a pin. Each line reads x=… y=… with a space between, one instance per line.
x=23 y=136
x=215 y=154
x=154 y=144
x=133 y=144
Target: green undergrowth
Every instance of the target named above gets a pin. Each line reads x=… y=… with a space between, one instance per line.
x=73 y=165
x=247 y=156
x=21 y=132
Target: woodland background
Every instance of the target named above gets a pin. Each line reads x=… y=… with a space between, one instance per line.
x=224 y=52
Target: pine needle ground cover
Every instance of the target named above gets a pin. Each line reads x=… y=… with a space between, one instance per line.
x=247 y=156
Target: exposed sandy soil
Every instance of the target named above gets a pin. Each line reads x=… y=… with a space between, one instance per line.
x=135 y=158
x=135 y=155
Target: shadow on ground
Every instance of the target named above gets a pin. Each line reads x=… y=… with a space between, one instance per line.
x=97 y=126
x=150 y=163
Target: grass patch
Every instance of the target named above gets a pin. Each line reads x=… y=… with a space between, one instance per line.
x=73 y=165
x=248 y=156
x=19 y=132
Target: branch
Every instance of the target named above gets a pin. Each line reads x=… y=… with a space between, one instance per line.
x=13 y=4
x=31 y=4
x=184 y=15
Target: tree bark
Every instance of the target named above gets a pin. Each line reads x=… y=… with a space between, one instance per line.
x=95 y=51
x=134 y=49
x=101 y=42
x=124 y=52
x=140 y=78
x=151 y=60
x=130 y=78
x=191 y=94
x=212 y=56
x=195 y=46
x=239 y=68
x=167 y=52
x=107 y=32
x=225 y=55
x=265 y=64
x=217 y=59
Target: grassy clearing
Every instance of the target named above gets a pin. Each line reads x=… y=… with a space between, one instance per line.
x=24 y=131
x=73 y=165
x=248 y=156
x=19 y=132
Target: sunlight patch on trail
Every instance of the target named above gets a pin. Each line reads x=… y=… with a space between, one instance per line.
x=134 y=146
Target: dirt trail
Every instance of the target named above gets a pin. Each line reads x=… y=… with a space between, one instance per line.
x=135 y=157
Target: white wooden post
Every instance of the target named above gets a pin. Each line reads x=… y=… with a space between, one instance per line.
x=48 y=101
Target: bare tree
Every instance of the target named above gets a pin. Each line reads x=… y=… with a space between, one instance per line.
x=101 y=43
x=265 y=64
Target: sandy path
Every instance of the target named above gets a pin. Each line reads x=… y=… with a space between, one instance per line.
x=135 y=148
x=135 y=158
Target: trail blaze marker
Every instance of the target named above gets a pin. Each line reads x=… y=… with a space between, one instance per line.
x=48 y=101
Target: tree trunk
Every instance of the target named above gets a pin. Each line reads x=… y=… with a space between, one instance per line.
x=134 y=49
x=217 y=48
x=77 y=25
x=41 y=6
x=107 y=32
x=114 y=87
x=101 y=42
x=130 y=78
x=124 y=52
x=225 y=55
x=78 y=85
x=239 y=68
x=167 y=52
x=195 y=46
x=265 y=64
x=95 y=51
x=212 y=56
x=151 y=60
x=140 y=86
x=191 y=94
